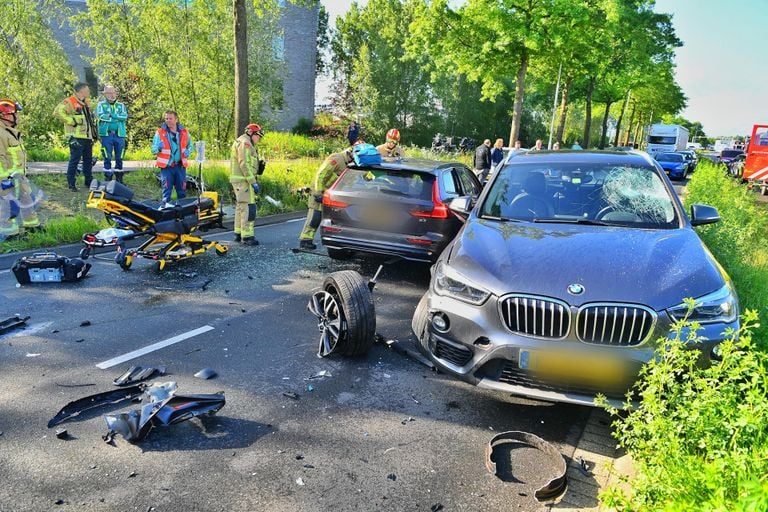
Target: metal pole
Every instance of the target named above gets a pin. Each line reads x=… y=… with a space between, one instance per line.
x=554 y=107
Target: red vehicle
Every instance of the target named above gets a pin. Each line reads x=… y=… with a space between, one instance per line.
x=756 y=163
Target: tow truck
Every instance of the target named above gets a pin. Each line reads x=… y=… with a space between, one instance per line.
x=754 y=167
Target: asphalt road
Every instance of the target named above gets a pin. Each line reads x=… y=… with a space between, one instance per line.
x=382 y=433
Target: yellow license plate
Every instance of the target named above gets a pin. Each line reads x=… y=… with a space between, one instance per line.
x=575 y=367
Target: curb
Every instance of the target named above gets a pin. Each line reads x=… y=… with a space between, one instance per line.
x=606 y=462
x=71 y=250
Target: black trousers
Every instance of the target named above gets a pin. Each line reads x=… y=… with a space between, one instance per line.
x=80 y=149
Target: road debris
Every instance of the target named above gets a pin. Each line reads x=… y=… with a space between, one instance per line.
x=77 y=407
x=300 y=481
x=75 y=385
x=319 y=375
x=136 y=374
x=206 y=374
x=437 y=507
x=31 y=354
x=584 y=467
x=413 y=397
x=553 y=461
x=407 y=420
x=85 y=323
x=392 y=476
x=400 y=348
x=13 y=322
x=62 y=433
x=291 y=395
x=162 y=407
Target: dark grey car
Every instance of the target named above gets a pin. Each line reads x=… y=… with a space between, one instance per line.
x=396 y=208
x=568 y=269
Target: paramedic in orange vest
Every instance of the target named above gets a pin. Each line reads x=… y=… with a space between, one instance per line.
x=80 y=130
x=173 y=147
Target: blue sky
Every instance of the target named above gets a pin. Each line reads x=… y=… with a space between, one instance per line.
x=723 y=65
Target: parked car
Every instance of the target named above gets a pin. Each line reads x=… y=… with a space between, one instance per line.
x=559 y=287
x=676 y=165
x=395 y=208
x=729 y=155
x=692 y=158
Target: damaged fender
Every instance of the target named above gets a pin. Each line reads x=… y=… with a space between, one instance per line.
x=77 y=407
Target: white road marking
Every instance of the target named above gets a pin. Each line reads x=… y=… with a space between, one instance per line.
x=151 y=348
x=294 y=220
x=8 y=271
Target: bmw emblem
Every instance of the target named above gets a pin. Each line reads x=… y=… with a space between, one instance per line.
x=575 y=289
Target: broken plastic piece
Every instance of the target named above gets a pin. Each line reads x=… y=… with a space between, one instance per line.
x=77 y=407
x=206 y=373
x=320 y=375
x=85 y=323
x=293 y=396
x=556 y=485
x=138 y=374
x=62 y=433
x=12 y=323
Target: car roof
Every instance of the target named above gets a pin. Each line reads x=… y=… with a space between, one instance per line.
x=411 y=164
x=583 y=157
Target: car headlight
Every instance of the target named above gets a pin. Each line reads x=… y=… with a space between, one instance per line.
x=450 y=283
x=720 y=306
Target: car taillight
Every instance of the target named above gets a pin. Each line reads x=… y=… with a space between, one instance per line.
x=439 y=208
x=327 y=201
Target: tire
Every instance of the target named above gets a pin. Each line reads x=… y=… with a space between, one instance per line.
x=419 y=322
x=125 y=261
x=358 y=312
x=339 y=254
x=85 y=252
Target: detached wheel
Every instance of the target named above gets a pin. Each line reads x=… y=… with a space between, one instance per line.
x=85 y=252
x=345 y=313
x=339 y=254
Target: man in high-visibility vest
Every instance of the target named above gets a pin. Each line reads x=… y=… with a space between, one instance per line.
x=244 y=167
x=329 y=172
x=80 y=130
x=17 y=201
x=112 y=115
x=173 y=147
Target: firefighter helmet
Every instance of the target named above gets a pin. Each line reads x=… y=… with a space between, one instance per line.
x=254 y=129
x=393 y=135
x=9 y=108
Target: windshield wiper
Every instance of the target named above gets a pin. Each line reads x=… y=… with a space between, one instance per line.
x=586 y=222
x=500 y=219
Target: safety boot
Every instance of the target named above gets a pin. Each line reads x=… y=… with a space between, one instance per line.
x=237 y=237
x=249 y=240
x=307 y=245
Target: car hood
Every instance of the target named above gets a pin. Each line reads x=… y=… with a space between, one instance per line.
x=657 y=268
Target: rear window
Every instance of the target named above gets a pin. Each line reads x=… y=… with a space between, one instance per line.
x=658 y=139
x=669 y=157
x=731 y=152
x=411 y=184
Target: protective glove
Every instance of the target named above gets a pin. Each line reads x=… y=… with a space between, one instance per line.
x=79 y=119
x=256 y=188
x=186 y=153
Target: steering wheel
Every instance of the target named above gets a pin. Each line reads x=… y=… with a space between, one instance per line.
x=531 y=204
x=611 y=213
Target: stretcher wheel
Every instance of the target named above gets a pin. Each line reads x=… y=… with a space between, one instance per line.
x=159 y=266
x=85 y=252
x=124 y=260
x=221 y=250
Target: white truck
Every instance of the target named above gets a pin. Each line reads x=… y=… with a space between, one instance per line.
x=667 y=138
x=721 y=144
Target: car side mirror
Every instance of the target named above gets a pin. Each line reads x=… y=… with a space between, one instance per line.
x=702 y=214
x=461 y=206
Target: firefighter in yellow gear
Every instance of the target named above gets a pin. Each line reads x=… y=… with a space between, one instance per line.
x=17 y=201
x=329 y=172
x=391 y=148
x=245 y=166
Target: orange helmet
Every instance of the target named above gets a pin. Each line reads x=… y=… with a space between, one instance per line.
x=393 y=135
x=254 y=129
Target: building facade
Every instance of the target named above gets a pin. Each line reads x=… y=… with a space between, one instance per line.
x=295 y=46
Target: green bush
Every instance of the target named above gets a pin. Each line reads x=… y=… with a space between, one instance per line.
x=740 y=240
x=57 y=231
x=699 y=438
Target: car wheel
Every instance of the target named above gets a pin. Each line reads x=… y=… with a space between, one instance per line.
x=419 y=321
x=339 y=254
x=346 y=314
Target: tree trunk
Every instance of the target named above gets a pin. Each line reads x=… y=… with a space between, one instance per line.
x=631 y=124
x=242 y=107
x=604 y=130
x=640 y=132
x=563 y=111
x=588 y=120
x=621 y=118
x=517 y=110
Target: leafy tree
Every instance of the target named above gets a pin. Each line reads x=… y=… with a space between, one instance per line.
x=35 y=71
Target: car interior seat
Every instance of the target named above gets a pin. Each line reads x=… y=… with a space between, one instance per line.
x=533 y=200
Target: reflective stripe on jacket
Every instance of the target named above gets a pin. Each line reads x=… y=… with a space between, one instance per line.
x=244 y=161
x=13 y=157
x=164 y=155
x=71 y=112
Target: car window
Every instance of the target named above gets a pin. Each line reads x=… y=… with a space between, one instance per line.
x=669 y=157
x=468 y=183
x=731 y=152
x=633 y=196
x=389 y=182
x=451 y=185
x=761 y=137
